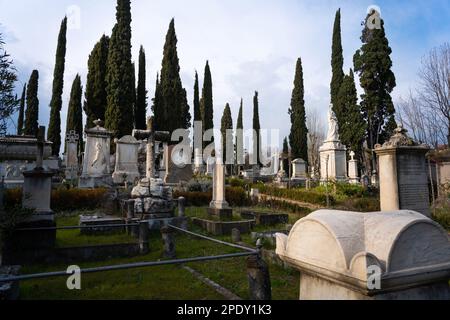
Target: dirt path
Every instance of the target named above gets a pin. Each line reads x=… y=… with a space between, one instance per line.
x=299 y=203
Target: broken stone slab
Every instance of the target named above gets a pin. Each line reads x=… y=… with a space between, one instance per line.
x=378 y=255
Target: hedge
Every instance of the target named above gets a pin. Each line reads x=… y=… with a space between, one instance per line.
x=308 y=196
x=63 y=200
x=235 y=196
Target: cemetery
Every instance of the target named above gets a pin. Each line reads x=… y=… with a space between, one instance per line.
x=139 y=214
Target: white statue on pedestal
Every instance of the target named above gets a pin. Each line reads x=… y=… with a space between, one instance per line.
x=333 y=126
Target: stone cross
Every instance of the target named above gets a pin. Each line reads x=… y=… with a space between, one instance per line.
x=352 y=155
x=72 y=137
x=40 y=147
x=151 y=136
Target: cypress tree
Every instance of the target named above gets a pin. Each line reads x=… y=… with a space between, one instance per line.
x=286 y=154
x=337 y=63
x=352 y=128
x=206 y=105
x=140 y=113
x=134 y=93
x=173 y=95
x=197 y=112
x=120 y=75
x=240 y=136
x=226 y=124
x=157 y=108
x=373 y=64
x=95 y=93
x=298 y=138
x=32 y=112
x=75 y=111
x=21 y=111
x=54 y=127
x=256 y=128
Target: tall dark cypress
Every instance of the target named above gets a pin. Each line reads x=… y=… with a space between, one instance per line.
x=298 y=138
x=32 y=112
x=226 y=124
x=159 y=115
x=206 y=105
x=173 y=95
x=373 y=64
x=54 y=127
x=120 y=75
x=95 y=93
x=286 y=154
x=20 y=120
x=75 y=112
x=352 y=127
x=197 y=111
x=134 y=92
x=256 y=129
x=240 y=136
x=337 y=63
x=140 y=113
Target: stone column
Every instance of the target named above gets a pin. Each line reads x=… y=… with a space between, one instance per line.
x=168 y=242
x=353 y=169
x=258 y=278
x=219 y=206
x=403 y=174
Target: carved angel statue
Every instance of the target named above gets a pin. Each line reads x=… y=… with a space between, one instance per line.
x=99 y=159
x=333 y=127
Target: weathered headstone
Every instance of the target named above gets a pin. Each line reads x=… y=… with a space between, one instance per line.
x=299 y=169
x=345 y=255
x=353 y=169
x=178 y=165
x=333 y=154
x=71 y=155
x=126 y=169
x=236 y=235
x=403 y=174
x=96 y=161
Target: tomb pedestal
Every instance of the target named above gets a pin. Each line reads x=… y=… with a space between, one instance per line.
x=403 y=174
x=96 y=162
x=333 y=161
x=126 y=167
x=219 y=206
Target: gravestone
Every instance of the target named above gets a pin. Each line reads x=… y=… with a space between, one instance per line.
x=126 y=169
x=71 y=155
x=299 y=169
x=96 y=161
x=17 y=155
x=198 y=161
x=178 y=165
x=333 y=154
x=353 y=169
x=403 y=174
x=345 y=255
x=219 y=206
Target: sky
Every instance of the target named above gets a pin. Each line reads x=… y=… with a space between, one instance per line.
x=251 y=45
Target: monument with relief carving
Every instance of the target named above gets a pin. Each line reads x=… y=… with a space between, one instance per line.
x=96 y=161
x=333 y=154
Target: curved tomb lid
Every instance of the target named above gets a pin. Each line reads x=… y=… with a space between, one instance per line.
x=340 y=243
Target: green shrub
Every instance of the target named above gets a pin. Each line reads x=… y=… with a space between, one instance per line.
x=62 y=199
x=236 y=197
x=284 y=205
x=442 y=216
x=364 y=204
x=301 y=195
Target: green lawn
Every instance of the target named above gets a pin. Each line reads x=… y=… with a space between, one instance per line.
x=158 y=283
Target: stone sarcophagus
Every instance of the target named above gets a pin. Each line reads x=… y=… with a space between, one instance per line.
x=381 y=255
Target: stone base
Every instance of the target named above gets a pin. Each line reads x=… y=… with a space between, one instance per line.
x=226 y=213
x=131 y=177
x=219 y=228
x=86 y=182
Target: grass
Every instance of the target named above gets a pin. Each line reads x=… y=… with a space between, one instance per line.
x=73 y=238
x=155 y=283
